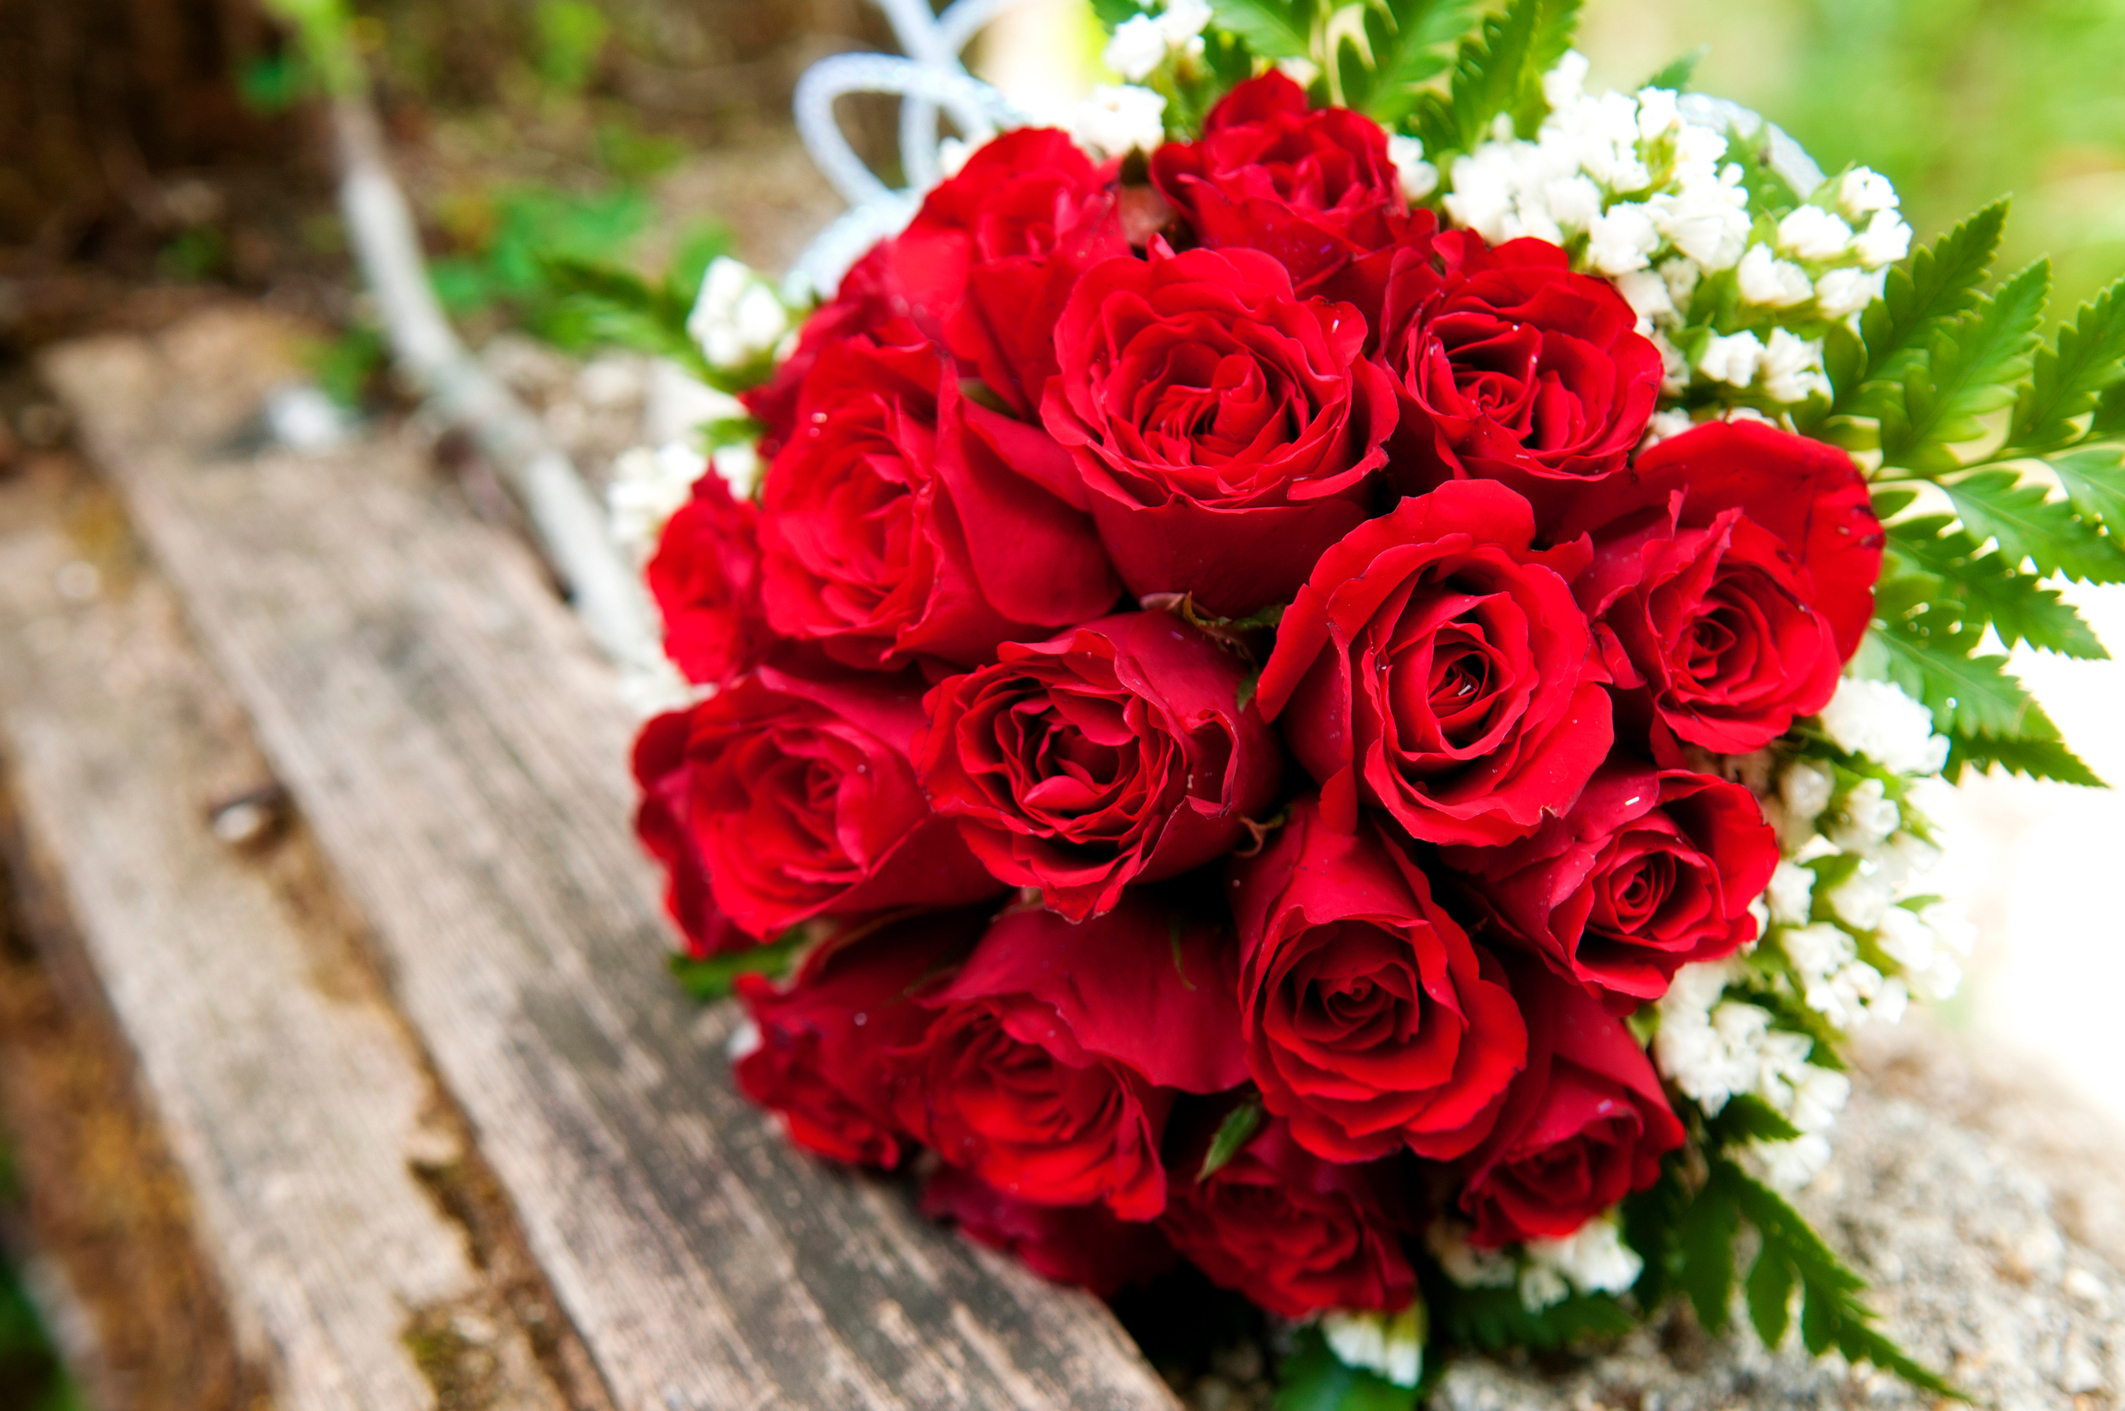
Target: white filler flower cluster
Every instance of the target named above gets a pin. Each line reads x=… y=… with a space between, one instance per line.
x=1666 y=195
x=1852 y=928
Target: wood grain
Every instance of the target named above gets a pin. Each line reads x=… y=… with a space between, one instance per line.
x=289 y=1094
x=461 y=756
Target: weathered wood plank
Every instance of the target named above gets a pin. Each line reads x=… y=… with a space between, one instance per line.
x=289 y=1094
x=461 y=755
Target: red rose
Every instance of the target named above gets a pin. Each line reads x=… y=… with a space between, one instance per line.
x=1736 y=594
x=1436 y=666
x=1296 y=1234
x=1510 y=367
x=660 y=768
x=866 y=304
x=1650 y=871
x=991 y=256
x=1313 y=188
x=797 y=799
x=1054 y=1055
x=1370 y=1020
x=1081 y=1245
x=1115 y=753
x=902 y=520
x=1226 y=432
x=1584 y=1126
x=705 y=577
x=817 y=1060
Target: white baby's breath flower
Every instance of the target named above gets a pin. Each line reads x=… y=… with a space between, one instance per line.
x=1876 y=719
x=1621 y=239
x=1574 y=202
x=1542 y=1287
x=1419 y=178
x=1118 y=119
x=1842 y=292
x=1792 y=894
x=1862 y=192
x=1646 y=292
x=1183 y=23
x=952 y=154
x=1869 y=818
x=1666 y=425
x=1818 y=1097
x=1565 y=84
x=1885 y=240
x=1732 y=359
x=1790 y=1165
x=1137 y=48
x=655 y=688
x=1860 y=900
x=1391 y=1344
x=737 y=316
x=1594 y=1257
x=648 y=487
x=1464 y=1263
x=1765 y=279
x=1814 y=234
x=1806 y=788
x=1792 y=366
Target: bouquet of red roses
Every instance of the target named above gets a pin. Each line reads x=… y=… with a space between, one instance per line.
x=1282 y=700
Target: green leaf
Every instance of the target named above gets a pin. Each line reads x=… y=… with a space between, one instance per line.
x=1707 y=1238
x=1313 y=1378
x=1968 y=695
x=1997 y=505
x=1494 y=1319
x=2095 y=482
x=2087 y=360
x=1972 y=367
x=1770 y=1290
x=1407 y=39
x=1274 y=29
x=1927 y=288
x=1112 y=13
x=1677 y=75
x=1749 y=1118
x=2036 y=759
x=1238 y=1129
x=1498 y=69
x=713 y=977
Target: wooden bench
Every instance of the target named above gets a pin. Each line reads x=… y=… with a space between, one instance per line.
x=334 y=795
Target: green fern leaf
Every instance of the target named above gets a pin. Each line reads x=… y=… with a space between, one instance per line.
x=1494 y=1319
x=1937 y=566
x=1770 y=1290
x=1968 y=695
x=2087 y=360
x=2035 y=759
x=1995 y=504
x=2095 y=481
x=1498 y=69
x=1677 y=75
x=1313 y=1378
x=1274 y=29
x=1973 y=366
x=1407 y=38
x=1707 y=1238
x=1934 y=284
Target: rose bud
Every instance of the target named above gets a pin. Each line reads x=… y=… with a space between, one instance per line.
x=1436 y=666
x=705 y=577
x=1650 y=871
x=1115 y=753
x=1733 y=580
x=1512 y=368
x=1370 y=1021
x=1312 y=186
x=796 y=799
x=1296 y=1234
x=1226 y=432
x=990 y=258
x=816 y=1056
x=1081 y=1245
x=1053 y=1057
x=904 y=521
x=1585 y=1125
